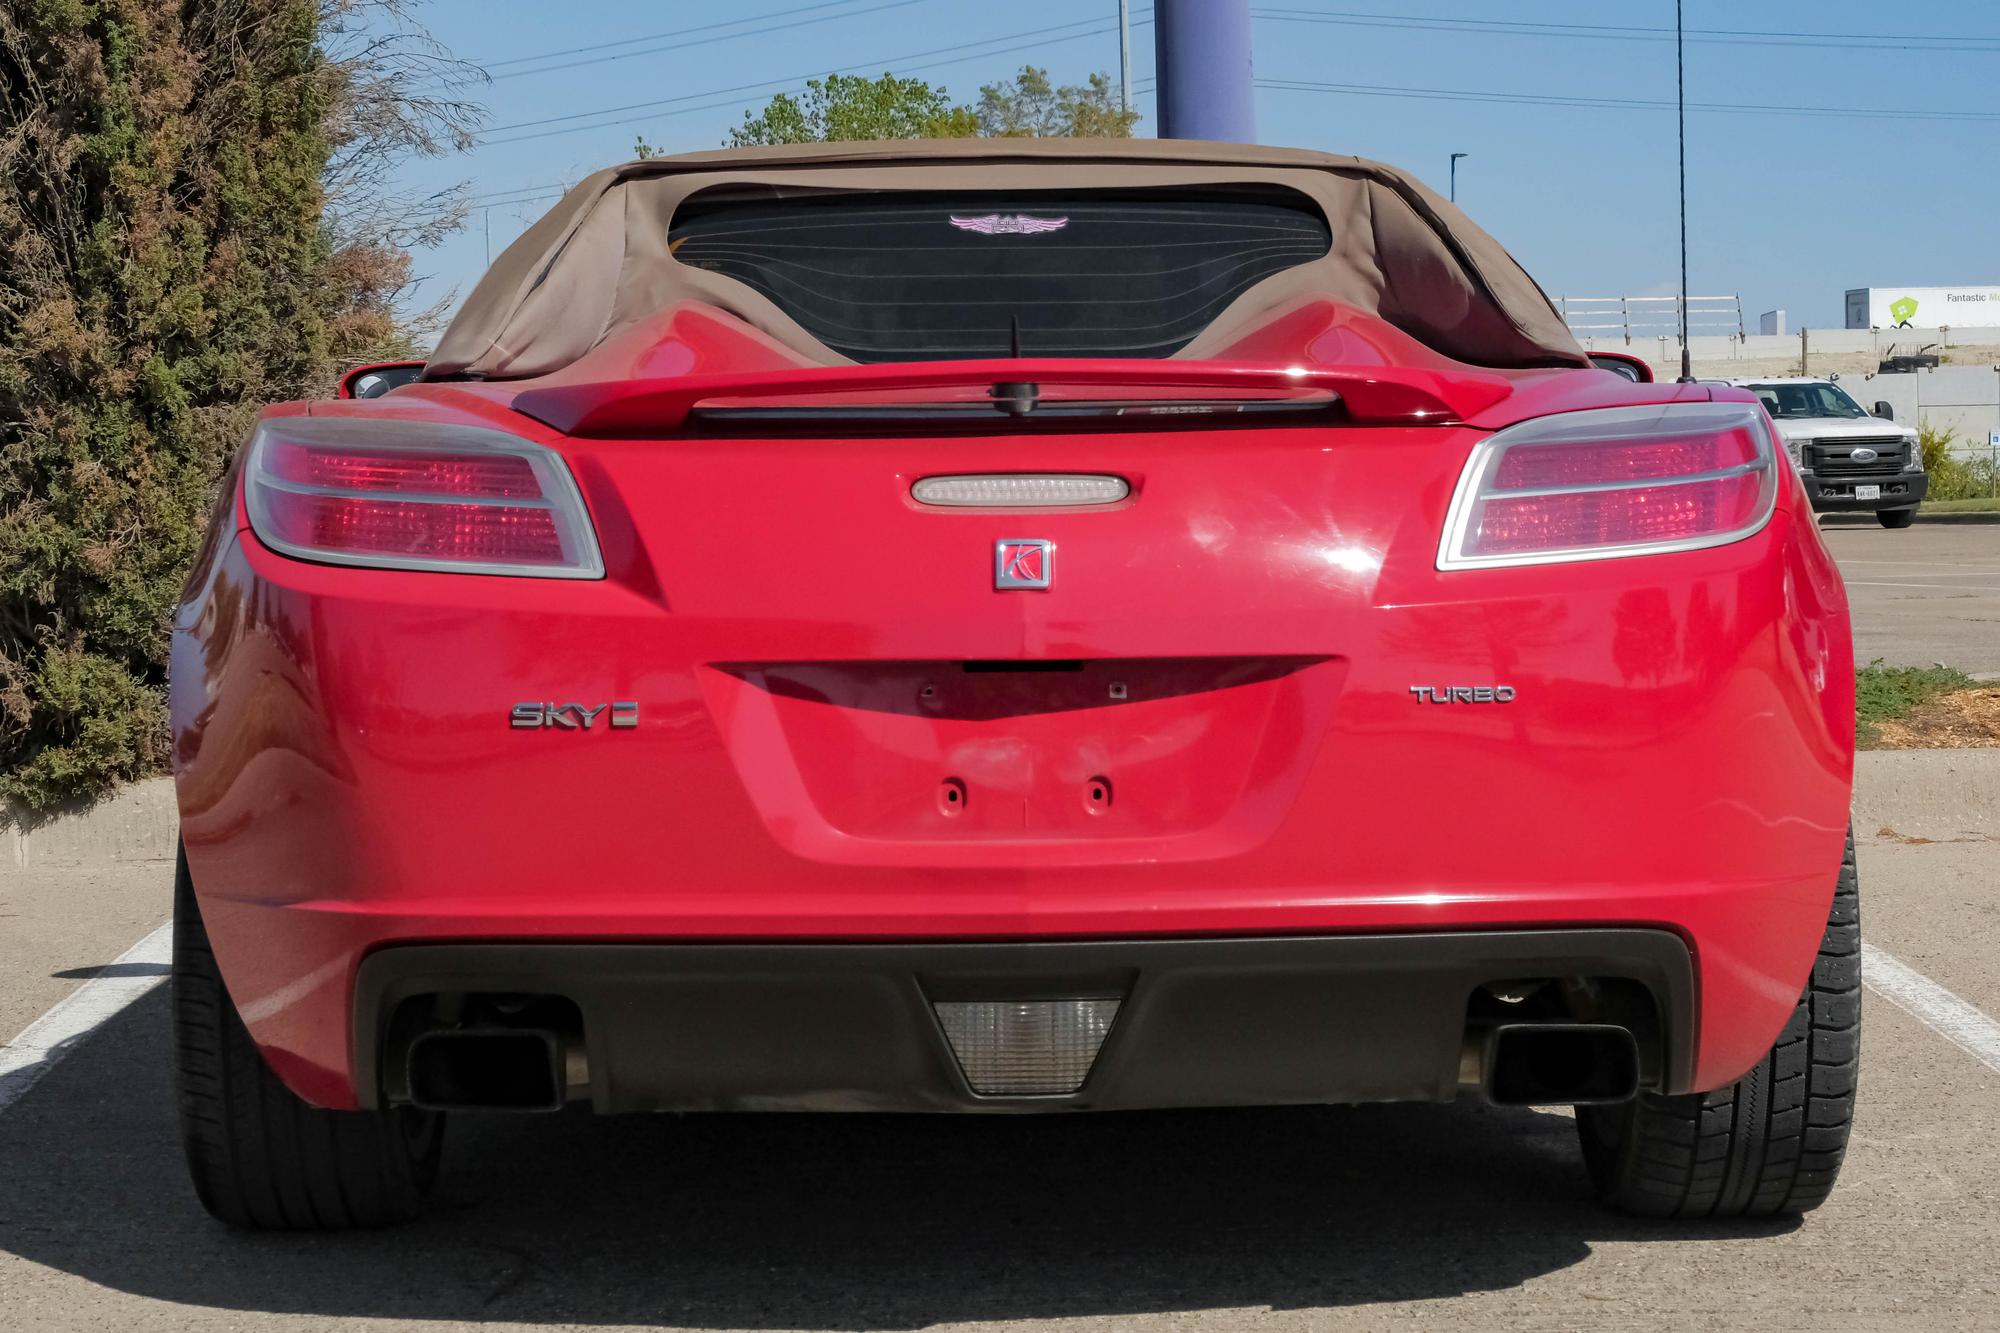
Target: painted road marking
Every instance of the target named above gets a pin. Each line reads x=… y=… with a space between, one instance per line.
x=1948 y=587
x=1932 y=1005
x=44 y=1042
x=1925 y=564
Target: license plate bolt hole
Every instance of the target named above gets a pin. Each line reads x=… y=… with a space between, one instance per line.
x=951 y=797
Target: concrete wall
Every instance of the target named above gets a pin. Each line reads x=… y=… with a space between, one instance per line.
x=1871 y=345
x=135 y=823
x=1963 y=398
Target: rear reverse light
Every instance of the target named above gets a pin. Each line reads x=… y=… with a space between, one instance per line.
x=1614 y=482
x=1026 y=1048
x=413 y=495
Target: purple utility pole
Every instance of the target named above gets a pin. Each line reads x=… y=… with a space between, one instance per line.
x=1202 y=63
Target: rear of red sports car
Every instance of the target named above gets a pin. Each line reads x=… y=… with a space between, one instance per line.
x=1012 y=627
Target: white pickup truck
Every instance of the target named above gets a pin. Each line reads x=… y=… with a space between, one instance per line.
x=1849 y=459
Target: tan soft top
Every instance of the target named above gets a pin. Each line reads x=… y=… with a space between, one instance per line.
x=599 y=262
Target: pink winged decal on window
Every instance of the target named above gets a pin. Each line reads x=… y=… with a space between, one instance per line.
x=1008 y=224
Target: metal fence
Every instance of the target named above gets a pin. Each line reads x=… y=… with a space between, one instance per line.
x=1651 y=316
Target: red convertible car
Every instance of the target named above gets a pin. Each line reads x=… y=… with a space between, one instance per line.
x=1012 y=627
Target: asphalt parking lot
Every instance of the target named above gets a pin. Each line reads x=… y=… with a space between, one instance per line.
x=1929 y=593
x=1462 y=1216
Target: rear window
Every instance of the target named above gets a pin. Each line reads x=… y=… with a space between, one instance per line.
x=937 y=276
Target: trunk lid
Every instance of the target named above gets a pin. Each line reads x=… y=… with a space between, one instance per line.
x=878 y=693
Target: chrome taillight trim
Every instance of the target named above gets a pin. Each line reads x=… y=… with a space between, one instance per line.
x=559 y=492
x=1592 y=427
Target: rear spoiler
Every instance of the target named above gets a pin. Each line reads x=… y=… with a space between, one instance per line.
x=636 y=408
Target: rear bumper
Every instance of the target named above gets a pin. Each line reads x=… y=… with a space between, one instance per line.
x=1221 y=1022
x=1903 y=490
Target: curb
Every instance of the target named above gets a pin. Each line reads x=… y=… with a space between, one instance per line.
x=1941 y=795
x=1987 y=517
x=1935 y=794
x=134 y=824
x=1981 y=518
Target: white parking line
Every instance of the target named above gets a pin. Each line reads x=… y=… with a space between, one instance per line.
x=1932 y=1005
x=44 y=1042
x=1948 y=587
x=1927 y=564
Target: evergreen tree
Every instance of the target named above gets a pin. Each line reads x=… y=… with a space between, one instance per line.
x=199 y=214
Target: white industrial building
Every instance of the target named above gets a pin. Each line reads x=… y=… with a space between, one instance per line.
x=1924 y=307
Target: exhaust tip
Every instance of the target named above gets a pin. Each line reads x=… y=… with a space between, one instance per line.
x=1555 y=1064
x=497 y=1069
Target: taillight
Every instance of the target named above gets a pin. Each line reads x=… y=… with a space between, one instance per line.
x=415 y=495
x=1613 y=482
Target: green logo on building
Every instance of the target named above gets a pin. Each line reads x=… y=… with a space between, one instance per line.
x=1904 y=310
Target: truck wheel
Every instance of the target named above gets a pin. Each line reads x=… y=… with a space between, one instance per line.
x=260 y=1156
x=1896 y=518
x=1770 y=1144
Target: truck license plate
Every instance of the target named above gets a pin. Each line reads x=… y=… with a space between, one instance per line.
x=1867 y=492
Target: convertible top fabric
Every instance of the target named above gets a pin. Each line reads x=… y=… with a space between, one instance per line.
x=600 y=261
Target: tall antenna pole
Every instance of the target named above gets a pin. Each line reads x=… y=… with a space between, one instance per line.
x=1681 y=101
x=1125 y=54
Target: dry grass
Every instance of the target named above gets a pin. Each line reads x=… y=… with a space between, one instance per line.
x=1960 y=720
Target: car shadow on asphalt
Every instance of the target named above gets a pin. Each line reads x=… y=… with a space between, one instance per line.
x=827 y=1222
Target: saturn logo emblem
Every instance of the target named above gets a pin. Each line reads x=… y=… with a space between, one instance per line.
x=1023 y=562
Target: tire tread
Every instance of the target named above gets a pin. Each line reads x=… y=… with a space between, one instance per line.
x=262 y=1157
x=1773 y=1142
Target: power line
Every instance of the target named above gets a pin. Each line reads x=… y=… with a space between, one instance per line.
x=728 y=97
x=662 y=36
x=1636 y=33
x=700 y=41
x=498 y=198
x=506 y=198
x=793 y=81
x=1623 y=103
x=1069 y=32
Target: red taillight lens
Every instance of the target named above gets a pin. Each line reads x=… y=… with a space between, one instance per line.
x=1513 y=523
x=502 y=476
x=1621 y=481
x=442 y=531
x=408 y=495
x=1535 y=466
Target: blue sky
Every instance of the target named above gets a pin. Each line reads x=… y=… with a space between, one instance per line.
x=1788 y=209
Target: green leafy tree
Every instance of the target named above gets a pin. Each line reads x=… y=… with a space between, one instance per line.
x=1030 y=107
x=848 y=106
x=195 y=219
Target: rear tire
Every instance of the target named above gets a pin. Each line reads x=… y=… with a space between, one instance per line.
x=1771 y=1143
x=1895 y=518
x=261 y=1156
